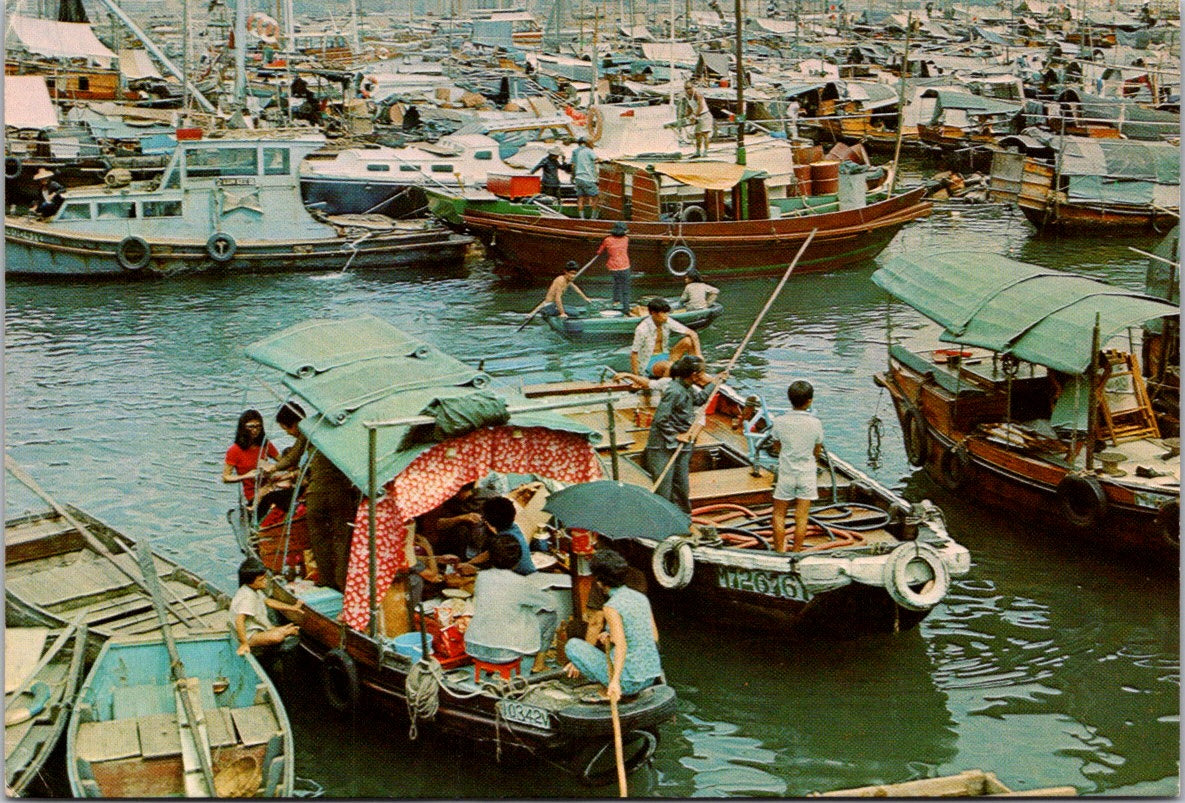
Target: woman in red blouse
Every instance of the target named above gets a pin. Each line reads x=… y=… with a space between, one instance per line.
x=246 y=457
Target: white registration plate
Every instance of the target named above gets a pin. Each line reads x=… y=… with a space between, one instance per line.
x=523 y=714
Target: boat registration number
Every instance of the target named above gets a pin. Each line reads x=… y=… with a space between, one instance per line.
x=523 y=714
x=769 y=584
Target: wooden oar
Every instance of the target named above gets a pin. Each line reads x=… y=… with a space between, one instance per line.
x=93 y=542
x=176 y=667
x=736 y=355
x=618 y=749
x=543 y=303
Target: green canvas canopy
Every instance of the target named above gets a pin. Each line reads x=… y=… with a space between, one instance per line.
x=1040 y=315
x=346 y=373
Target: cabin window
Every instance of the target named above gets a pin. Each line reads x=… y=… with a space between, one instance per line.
x=275 y=162
x=210 y=162
x=378 y=168
x=75 y=212
x=483 y=156
x=116 y=210
x=408 y=169
x=84 y=83
x=162 y=209
x=442 y=168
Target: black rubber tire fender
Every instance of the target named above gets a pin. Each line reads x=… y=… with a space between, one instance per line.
x=693 y=214
x=133 y=253
x=339 y=680
x=12 y=167
x=596 y=765
x=1082 y=500
x=1168 y=522
x=673 y=563
x=953 y=467
x=917 y=440
x=221 y=247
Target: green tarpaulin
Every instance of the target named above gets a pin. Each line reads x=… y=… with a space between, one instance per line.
x=1040 y=315
x=347 y=373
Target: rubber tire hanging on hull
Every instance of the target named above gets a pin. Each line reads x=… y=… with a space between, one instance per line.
x=673 y=253
x=673 y=563
x=597 y=765
x=221 y=247
x=1082 y=501
x=953 y=467
x=339 y=680
x=133 y=253
x=12 y=167
x=896 y=580
x=1168 y=522
x=917 y=440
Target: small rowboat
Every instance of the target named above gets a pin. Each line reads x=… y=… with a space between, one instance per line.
x=583 y=321
x=41 y=675
x=971 y=783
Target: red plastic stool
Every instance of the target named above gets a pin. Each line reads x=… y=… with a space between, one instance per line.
x=504 y=670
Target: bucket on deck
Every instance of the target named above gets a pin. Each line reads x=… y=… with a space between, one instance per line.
x=824 y=177
x=802 y=181
x=409 y=644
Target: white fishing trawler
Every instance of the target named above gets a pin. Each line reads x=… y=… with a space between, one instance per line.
x=228 y=202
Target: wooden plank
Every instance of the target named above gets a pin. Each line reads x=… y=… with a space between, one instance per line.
x=108 y=740
x=255 y=724
x=22 y=650
x=195 y=741
x=220 y=727
x=159 y=736
x=140 y=701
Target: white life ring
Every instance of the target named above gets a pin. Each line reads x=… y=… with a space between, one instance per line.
x=383 y=53
x=263 y=26
x=673 y=563
x=897 y=577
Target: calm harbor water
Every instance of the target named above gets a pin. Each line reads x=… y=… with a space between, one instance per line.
x=1048 y=665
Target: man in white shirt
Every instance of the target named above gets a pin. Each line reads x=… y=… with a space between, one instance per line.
x=652 y=338
x=703 y=117
x=800 y=436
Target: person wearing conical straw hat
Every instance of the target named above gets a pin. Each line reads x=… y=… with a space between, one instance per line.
x=49 y=191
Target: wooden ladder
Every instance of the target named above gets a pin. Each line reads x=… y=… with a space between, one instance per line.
x=1123 y=400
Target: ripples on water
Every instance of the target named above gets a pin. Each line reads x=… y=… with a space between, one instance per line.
x=1046 y=665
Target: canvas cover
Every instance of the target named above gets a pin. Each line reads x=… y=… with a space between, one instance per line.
x=59 y=39
x=666 y=52
x=705 y=175
x=27 y=103
x=1040 y=315
x=136 y=64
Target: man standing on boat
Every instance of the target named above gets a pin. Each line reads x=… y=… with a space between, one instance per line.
x=553 y=303
x=617 y=248
x=800 y=435
x=652 y=338
x=703 y=117
x=551 y=165
x=673 y=430
x=584 y=178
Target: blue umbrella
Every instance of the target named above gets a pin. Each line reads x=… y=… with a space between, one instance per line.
x=617 y=510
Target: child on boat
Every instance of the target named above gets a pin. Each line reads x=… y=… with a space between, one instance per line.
x=800 y=435
x=697 y=294
x=249 y=610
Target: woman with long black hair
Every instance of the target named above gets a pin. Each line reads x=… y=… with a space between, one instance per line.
x=248 y=457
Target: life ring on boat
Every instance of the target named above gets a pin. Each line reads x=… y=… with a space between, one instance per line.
x=383 y=53
x=595 y=125
x=672 y=257
x=917 y=443
x=953 y=466
x=673 y=563
x=693 y=214
x=13 y=167
x=368 y=85
x=897 y=579
x=221 y=247
x=133 y=253
x=1082 y=500
x=597 y=765
x=263 y=26
x=339 y=680
x=1168 y=522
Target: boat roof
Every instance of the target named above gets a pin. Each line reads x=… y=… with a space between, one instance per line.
x=1037 y=314
x=705 y=175
x=350 y=374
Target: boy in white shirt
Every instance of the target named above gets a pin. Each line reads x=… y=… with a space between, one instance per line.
x=801 y=437
x=248 y=610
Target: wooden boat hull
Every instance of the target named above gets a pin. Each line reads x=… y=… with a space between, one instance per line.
x=832 y=586
x=552 y=722
x=1044 y=207
x=534 y=247
x=36 y=719
x=53 y=576
x=39 y=250
x=128 y=738
x=593 y=325
x=1135 y=521
x=971 y=783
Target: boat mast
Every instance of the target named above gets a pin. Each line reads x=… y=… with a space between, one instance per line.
x=240 y=98
x=740 y=56
x=901 y=105
x=185 y=58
